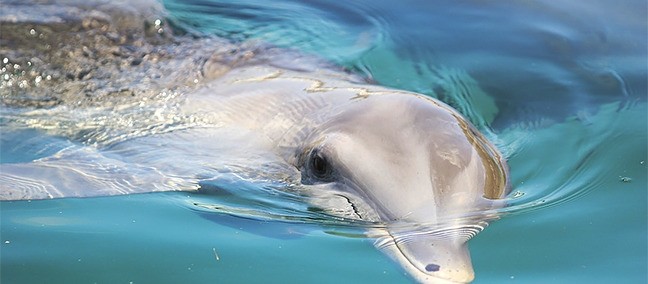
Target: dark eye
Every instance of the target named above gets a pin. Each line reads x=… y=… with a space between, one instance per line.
x=320 y=166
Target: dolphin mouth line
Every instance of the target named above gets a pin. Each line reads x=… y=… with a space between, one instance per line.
x=353 y=206
x=395 y=244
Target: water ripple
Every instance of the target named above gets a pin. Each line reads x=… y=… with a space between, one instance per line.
x=334 y=31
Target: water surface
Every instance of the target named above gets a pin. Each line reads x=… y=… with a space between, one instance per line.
x=559 y=87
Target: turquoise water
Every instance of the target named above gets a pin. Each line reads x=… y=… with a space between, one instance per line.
x=559 y=87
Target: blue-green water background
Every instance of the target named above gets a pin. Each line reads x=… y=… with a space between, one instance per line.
x=565 y=86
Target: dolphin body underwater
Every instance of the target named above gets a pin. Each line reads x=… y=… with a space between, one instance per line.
x=367 y=152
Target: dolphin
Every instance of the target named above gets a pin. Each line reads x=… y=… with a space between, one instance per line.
x=371 y=153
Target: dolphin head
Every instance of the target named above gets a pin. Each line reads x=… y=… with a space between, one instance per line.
x=415 y=165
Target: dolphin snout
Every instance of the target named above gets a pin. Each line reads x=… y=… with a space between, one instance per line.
x=431 y=257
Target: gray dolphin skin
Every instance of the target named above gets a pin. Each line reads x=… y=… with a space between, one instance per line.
x=360 y=151
x=400 y=158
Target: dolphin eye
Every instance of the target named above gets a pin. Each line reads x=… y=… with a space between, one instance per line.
x=320 y=166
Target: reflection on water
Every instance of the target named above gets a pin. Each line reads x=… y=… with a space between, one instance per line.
x=559 y=87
